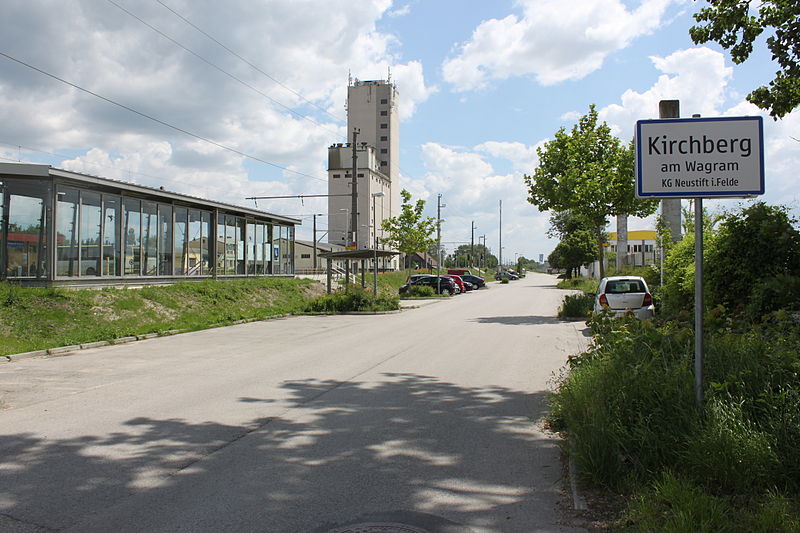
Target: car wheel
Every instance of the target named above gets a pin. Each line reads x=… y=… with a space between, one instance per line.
x=446 y=292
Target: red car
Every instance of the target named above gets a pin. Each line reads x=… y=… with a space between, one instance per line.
x=458 y=280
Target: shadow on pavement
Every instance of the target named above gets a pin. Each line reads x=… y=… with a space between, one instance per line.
x=519 y=320
x=341 y=449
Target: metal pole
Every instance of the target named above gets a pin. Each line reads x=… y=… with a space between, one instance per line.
x=500 y=244
x=354 y=192
x=375 y=253
x=472 y=246
x=315 y=244
x=698 y=301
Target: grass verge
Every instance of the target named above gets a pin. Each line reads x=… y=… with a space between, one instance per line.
x=40 y=318
x=628 y=411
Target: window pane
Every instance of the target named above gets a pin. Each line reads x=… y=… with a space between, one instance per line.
x=111 y=221
x=259 y=248
x=220 y=244
x=165 y=240
x=24 y=245
x=181 y=242
x=230 y=245
x=133 y=237
x=205 y=242
x=150 y=238
x=251 y=248
x=194 y=249
x=91 y=217
x=240 y=227
x=66 y=232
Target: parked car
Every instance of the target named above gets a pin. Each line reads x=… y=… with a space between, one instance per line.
x=505 y=275
x=475 y=280
x=468 y=286
x=440 y=284
x=458 y=281
x=621 y=294
x=414 y=277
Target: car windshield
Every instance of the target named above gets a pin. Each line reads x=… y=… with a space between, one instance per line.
x=624 y=286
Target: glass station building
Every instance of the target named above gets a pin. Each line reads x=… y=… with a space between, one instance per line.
x=64 y=228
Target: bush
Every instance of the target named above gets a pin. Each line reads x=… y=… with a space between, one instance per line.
x=420 y=291
x=576 y=306
x=628 y=409
x=355 y=300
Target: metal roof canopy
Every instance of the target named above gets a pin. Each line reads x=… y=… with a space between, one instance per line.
x=43 y=171
x=361 y=255
x=366 y=253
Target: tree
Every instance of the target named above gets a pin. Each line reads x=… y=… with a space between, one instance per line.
x=575 y=250
x=731 y=24
x=588 y=172
x=409 y=232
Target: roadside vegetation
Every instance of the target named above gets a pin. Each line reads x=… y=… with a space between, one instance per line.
x=627 y=405
x=40 y=318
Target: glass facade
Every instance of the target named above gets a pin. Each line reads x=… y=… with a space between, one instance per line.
x=101 y=234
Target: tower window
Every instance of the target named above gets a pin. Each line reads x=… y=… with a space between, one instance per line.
x=384 y=125
x=384 y=138
x=384 y=101
x=384 y=150
x=384 y=113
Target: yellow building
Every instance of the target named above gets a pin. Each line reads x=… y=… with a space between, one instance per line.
x=642 y=247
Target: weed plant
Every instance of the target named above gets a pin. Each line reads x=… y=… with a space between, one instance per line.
x=628 y=409
x=354 y=300
x=420 y=291
x=579 y=284
x=576 y=306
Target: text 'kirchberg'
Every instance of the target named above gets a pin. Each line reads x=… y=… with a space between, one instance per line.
x=663 y=145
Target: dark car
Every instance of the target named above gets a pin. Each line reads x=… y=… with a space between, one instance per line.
x=440 y=284
x=475 y=280
x=505 y=275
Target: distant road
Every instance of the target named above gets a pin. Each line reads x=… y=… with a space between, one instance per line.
x=298 y=425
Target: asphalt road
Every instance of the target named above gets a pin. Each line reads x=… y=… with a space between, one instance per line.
x=428 y=418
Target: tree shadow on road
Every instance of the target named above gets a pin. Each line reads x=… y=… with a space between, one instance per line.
x=519 y=320
x=404 y=442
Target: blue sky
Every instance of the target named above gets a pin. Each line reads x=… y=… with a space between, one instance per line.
x=482 y=84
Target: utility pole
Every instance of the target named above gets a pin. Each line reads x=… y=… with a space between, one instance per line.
x=439 y=206
x=500 y=245
x=315 y=244
x=472 y=246
x=353 y=233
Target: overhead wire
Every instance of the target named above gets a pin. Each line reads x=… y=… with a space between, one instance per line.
x=220 y=69
x=255 y=67
x=159 y=121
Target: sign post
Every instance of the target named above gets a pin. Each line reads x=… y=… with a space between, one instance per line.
x=699 y=158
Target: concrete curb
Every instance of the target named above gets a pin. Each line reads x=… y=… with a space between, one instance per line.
x=577 y=500
x=26 y=355
x=63 y=349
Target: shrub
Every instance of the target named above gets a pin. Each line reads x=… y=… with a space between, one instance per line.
x=576 y=306
x=420 y=291
x=353 y=301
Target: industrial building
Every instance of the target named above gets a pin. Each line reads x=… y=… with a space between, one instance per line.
x=373 y=124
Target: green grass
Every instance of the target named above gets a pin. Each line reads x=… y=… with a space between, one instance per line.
x=628 y=410
x=578 y=284
x=41 y=318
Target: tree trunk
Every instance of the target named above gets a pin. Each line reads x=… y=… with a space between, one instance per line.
x=622 y=241
x=601 y=254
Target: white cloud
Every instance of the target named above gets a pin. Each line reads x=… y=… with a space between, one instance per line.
x=552 y=40
x=472 y=189
x=698 y=77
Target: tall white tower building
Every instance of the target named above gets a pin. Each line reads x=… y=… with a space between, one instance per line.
x=372 y=112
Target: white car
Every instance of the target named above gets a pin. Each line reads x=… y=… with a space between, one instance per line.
x=621 y=294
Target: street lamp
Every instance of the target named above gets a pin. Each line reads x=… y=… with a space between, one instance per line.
x=374 y=195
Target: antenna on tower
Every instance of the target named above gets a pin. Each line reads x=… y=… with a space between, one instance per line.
x=389 y=76
x=349 y=78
